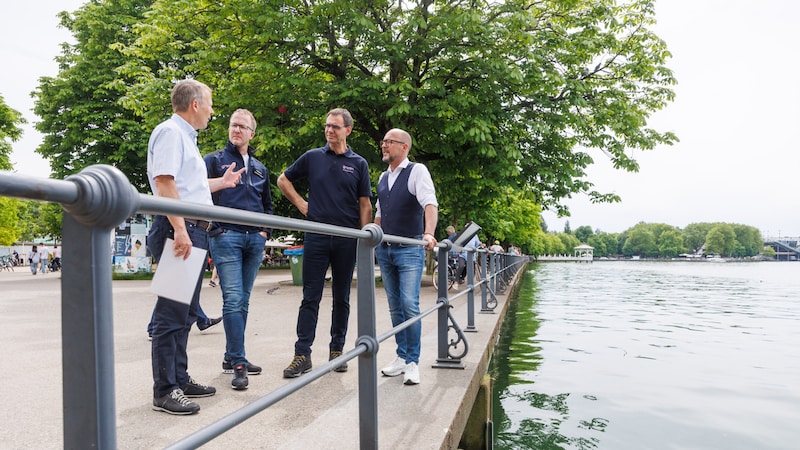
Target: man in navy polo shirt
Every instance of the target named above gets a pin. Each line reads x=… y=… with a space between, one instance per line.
x=339 y=193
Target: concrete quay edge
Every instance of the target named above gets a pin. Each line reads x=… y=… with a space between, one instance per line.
x=324 y=414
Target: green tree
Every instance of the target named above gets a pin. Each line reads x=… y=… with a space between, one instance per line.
x=768 y=252
x=551 y=245
x=611 y=243
x=694 y=236
x=641 y=241
x=721 y=240
x=83 y=121
x=10 y=131
x=670 y=243
x=569 y=241
x=514 y=217
x=599 y=245
x=10 y=225
x=494 y=94
x=749 y=238
x=583 y=233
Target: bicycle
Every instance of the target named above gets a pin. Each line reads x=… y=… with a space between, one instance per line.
x=452 y=277
x=452 y=272
x=6 y=264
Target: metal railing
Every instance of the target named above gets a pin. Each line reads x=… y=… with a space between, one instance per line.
x=100 y=197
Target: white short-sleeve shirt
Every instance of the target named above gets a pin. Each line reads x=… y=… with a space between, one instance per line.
x=172 y=150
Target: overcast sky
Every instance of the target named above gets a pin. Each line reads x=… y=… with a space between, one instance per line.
x=736 y=113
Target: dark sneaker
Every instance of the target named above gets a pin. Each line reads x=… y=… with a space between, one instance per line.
x=175 y=403
x=203 y=326
x=193 y=389
x=340 y=368
x=300 y=365
x=239 y=377
x=252 y=369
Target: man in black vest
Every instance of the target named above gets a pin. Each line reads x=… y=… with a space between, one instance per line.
x=406 y=207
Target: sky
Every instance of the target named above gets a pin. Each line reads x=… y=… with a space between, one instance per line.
x=737 y=102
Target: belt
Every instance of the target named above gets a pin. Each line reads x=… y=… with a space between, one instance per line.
x=202 y=224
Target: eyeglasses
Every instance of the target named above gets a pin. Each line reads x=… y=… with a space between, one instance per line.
x=390 y=142
x=334 y=127
x=237 y=126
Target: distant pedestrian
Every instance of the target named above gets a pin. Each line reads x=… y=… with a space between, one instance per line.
x=56 y=257
x=496 y=247
x=44 y=258
x=33 y=259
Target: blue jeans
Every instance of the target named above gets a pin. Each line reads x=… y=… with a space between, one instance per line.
x=172 y=320
x=401 y=271
x=319 y=252
x=237 y=256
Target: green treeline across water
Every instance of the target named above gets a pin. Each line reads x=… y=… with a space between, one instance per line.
x=658 y=240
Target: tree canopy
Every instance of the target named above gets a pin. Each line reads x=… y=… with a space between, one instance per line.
x=10 y=131
x=660 y=240
x=507 y=102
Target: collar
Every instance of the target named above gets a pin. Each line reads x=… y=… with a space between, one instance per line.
x=230 y=147
x=327 y=149
x=403 y=164
x=185 y=125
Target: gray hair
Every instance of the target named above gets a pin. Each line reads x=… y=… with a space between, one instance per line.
x=185 y=91
x=346 y=117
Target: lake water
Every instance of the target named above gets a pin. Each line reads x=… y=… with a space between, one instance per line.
x=651 y=355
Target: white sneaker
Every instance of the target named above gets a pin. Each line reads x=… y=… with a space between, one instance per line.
x=411 y=374
x=397 y=367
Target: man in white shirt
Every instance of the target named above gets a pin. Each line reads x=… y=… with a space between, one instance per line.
x=407 y=207
x=44 y=258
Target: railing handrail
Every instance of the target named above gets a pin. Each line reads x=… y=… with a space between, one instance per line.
x=100 y=197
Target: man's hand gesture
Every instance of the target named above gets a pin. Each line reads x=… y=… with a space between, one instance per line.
x=232 y=177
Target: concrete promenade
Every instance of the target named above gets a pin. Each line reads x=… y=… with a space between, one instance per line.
x=323 y=415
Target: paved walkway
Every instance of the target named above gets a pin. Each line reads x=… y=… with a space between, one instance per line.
x=322 y=415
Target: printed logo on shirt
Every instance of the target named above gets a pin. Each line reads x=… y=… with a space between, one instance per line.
x=258 y=173
x=348 y=169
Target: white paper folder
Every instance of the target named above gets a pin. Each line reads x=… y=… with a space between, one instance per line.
x=175 y=277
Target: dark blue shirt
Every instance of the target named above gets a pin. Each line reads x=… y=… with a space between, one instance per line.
x=335 y=185
x=253 y=191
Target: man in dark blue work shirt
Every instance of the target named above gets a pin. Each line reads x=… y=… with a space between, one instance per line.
x=238 y=249
x=339 y=193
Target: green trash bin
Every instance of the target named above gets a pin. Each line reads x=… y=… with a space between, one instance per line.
x=295 y=255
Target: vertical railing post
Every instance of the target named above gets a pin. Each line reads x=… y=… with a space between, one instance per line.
x=484 y=285
x=471 y=292
x=105 y=199
x=367 y=335
x=442 y=326
x=443 y=319
x=493 y=270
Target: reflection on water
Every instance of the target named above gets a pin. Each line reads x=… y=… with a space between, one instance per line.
x=635 y=355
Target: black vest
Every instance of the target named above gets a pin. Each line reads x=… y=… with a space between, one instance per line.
x=401 y=214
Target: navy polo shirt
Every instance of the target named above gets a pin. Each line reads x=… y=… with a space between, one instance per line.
x=335 y=185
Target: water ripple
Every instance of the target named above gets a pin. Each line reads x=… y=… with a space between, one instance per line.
x=652 y=355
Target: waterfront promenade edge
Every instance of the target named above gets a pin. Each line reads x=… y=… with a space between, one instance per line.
x=431 y=415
